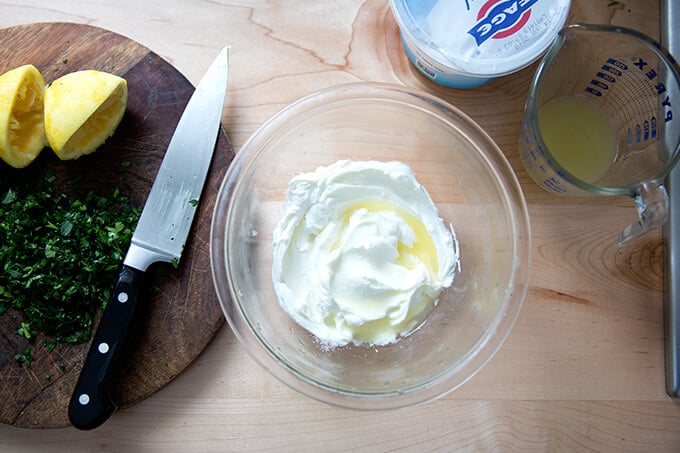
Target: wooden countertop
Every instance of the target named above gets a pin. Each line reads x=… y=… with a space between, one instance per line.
x=583 y=368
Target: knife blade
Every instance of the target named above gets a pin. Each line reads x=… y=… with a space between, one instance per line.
x=159 y=236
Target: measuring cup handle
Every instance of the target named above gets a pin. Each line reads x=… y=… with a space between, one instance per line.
x=651 y=202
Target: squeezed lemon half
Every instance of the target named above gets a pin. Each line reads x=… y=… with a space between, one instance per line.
x=22 y=134
x=82 y=110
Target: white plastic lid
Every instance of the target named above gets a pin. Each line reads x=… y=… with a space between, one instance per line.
x=481 y=37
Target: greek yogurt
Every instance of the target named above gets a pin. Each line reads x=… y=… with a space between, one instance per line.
x=361 y=254
x=465 y=44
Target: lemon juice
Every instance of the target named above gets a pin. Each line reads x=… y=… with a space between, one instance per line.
x=579 y=136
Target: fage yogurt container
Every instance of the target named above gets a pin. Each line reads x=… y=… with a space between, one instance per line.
x=467 y=43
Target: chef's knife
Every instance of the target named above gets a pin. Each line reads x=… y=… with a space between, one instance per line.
x=160 y=235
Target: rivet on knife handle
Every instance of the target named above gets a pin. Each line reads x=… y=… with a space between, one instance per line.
x=91 y=403
x=160 y=236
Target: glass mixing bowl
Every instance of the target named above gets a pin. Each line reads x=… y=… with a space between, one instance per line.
x=475 y=190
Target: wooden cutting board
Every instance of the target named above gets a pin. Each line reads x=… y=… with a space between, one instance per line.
x=180 y=318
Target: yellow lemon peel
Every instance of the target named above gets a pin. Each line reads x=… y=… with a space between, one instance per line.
x=82 y=110
x=22 y=134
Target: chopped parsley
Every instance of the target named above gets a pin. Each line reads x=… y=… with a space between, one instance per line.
x=59 y=257
x=25 y=357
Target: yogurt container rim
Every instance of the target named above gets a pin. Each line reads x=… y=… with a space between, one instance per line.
x=480 y=63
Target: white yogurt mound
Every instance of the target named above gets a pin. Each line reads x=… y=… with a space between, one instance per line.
x=361 y=254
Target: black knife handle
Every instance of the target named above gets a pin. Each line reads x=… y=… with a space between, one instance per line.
x=91 y=403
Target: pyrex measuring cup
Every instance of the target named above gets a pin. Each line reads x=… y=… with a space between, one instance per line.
x=600 y=119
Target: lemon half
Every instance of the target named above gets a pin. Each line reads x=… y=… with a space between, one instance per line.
x=82 y=110
x=22 y=135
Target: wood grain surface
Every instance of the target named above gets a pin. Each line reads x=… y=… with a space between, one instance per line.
x=181 y=315
x=583 y=368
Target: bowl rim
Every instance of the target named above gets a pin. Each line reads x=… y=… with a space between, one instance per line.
x=439 y=385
